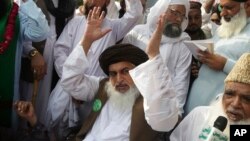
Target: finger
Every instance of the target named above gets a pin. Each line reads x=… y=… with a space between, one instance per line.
x=15 y=105
x=160 y=20
x=97 y=12
x=93 y=13
x=89 y=15
x=102 y=16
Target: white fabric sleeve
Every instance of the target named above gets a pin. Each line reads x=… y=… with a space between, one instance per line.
x=63 y=46
x=33 y=21
x=182 y=76
x=78 y=85
x=229 y=65
x=160 y=104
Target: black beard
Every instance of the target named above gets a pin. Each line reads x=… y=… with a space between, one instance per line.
x=193 y=31
x=172 y=30
x=4 y=8
x=89 y=7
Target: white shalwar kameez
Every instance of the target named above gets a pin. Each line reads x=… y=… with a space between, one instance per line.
x=160 y=103
x=60 y=103
x=176 y=56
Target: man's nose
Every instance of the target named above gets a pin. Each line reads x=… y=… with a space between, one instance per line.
x=236 y=102
x=119 y=77
x=179 y=19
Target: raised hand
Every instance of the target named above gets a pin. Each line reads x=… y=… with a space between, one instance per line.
x=93 y=29
x=154 y=44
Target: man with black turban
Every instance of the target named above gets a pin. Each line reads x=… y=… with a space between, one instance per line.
x=133 y=103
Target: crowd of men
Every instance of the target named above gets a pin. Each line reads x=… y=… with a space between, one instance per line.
x=117 y=70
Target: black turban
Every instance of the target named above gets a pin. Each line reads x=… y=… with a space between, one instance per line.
x=119 y=53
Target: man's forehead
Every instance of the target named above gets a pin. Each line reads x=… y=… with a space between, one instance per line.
x=121 y=65
x=178 y=7
x=238 y=87
x=229 y=2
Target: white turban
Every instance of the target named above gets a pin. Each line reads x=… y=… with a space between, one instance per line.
x=161 y=7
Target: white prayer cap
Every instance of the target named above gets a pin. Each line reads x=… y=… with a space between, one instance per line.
x=160 y=7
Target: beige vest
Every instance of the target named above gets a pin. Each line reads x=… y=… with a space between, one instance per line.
x=139 y=131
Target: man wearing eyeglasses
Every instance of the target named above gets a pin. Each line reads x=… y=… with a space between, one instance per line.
x=177 y=58
x=230 y=42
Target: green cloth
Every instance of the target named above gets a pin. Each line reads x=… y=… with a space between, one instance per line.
x=7 y=73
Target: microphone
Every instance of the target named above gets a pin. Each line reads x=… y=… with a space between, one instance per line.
x=215 y=133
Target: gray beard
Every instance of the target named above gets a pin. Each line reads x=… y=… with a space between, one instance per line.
x=172 y=30
x=121 y=101
x=218 y=110
x=234 y=26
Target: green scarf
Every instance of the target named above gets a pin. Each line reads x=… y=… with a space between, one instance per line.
x=7 y=72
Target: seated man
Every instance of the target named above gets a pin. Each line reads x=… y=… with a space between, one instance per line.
x=234 y=105
x=129 y=104
x=121 y=99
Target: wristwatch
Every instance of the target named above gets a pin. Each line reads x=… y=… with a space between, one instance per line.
x=33 y=53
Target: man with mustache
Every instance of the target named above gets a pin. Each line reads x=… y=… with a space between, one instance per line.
x=177 y=58
x=234 y=104
x=17 y=24
x=129 y=104
x=62 y=112
x=230 y=42
x=121 y=99
x=195 y=21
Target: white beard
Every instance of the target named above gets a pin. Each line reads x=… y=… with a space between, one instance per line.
x=234 y=26
x=121 y=101
x=218 y=110
x=215 y=112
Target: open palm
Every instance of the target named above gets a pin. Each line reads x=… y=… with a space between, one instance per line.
x=94 y=30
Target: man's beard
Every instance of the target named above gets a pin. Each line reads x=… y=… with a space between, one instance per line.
x=89 y=7
x=218 y=110
x=172 y=30
x=3 y=8
x=234 y=26
x=121 y=101
x=193 y=29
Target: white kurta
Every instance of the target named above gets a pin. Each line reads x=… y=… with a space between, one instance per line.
x=195 y=125
x=191 y=126
x=60 y=101
x=175 y=55
x=160 y=104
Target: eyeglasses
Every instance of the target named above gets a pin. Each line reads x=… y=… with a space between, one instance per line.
x=178 y=14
